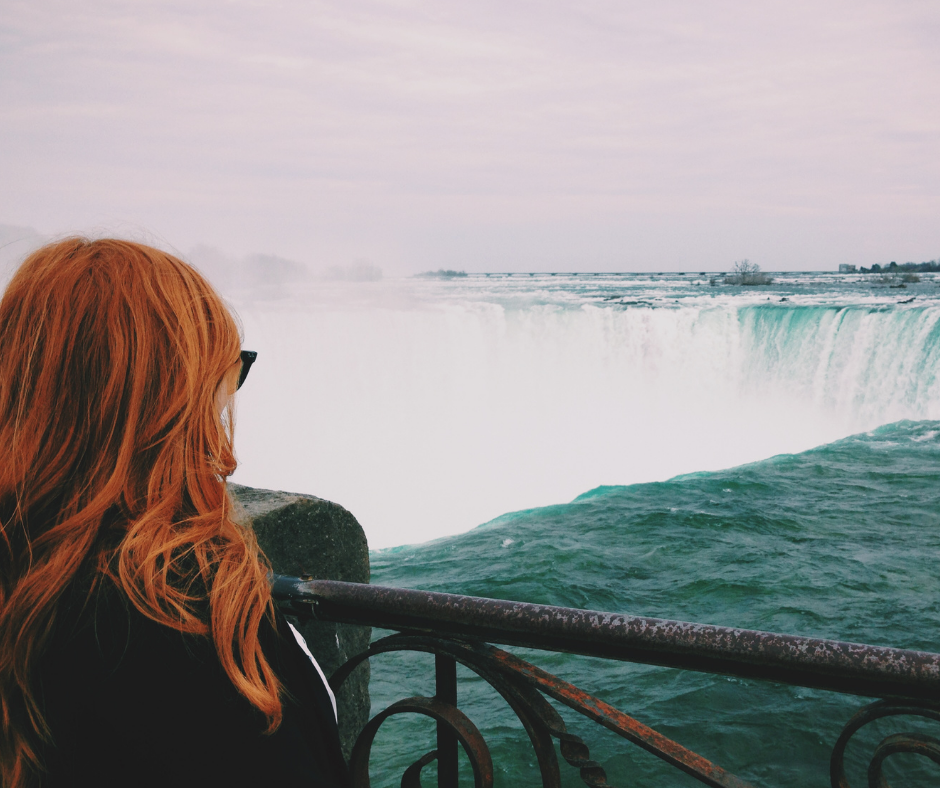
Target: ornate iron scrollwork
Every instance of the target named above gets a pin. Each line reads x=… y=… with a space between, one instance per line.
x=915 y=743
x=523 y=686
x=466 y=732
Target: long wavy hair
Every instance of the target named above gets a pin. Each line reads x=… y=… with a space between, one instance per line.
x=113 y=468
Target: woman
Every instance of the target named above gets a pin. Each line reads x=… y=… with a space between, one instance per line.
x=139 y=644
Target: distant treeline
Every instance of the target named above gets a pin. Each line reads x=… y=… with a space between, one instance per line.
x=931 y=266
x=448 y=274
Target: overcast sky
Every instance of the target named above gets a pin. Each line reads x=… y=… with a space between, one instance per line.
x=480 y=135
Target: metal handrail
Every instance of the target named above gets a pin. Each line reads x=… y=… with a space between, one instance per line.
x=855 y=668
x=459 y=629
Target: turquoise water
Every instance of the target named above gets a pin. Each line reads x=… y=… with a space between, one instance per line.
x=839 y=542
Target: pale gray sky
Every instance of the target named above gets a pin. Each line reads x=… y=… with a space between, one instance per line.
x=480 y=135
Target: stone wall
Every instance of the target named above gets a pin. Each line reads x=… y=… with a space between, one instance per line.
x=304 y=535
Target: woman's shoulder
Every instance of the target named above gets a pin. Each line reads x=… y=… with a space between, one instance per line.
x=98 y=630
x=123 y=690
x=111 y=667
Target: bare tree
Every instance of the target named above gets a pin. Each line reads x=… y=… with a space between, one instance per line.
x=747 y=273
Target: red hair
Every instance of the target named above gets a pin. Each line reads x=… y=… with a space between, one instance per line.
x=114 y=465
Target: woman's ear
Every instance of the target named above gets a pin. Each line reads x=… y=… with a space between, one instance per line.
x=227 y=387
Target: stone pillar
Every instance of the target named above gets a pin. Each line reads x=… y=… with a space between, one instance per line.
x=304 y=535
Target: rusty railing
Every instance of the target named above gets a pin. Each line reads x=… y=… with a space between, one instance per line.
x=462 y=628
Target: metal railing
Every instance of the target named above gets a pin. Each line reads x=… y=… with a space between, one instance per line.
x=462 y=628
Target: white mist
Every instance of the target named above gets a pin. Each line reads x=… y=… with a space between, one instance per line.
x=429 y=408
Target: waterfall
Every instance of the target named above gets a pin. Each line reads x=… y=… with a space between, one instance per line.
x=426 y=417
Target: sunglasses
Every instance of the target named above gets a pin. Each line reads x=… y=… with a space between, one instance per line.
x=248 y=358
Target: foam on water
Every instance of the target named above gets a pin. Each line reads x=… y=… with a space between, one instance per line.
x=427 y=407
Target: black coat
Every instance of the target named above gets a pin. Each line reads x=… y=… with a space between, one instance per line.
x=133 y=703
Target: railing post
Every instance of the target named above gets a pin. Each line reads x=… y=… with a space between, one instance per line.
x=445 y=673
